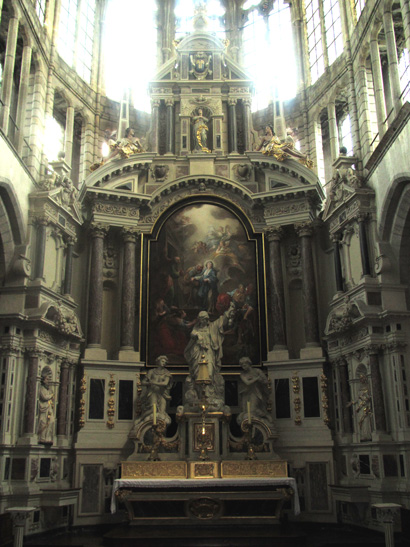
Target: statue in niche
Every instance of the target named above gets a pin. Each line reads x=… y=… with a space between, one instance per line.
x=270 y=145
x=201 y=131
x=46 y=408
x=364 y=409
x=156 y=391
x=253 y=389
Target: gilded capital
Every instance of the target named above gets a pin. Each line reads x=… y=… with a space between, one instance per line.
x=304 y=229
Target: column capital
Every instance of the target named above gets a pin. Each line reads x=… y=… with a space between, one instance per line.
x=169 y=102
x=155 y=103
x=373 y=349
x=274 y=233
x=232 y=102
x=41 y=220
x=98 y=230
x=304 y=229
x=130 y=234
x=335 y=238
x=362 y=217
x=70 y=240
x=34 y=353
x=247 y=101
x=387 y=513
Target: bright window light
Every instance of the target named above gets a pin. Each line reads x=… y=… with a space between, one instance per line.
x=315 y=45
x=333 y=26
x=359 y=6
x=130 y=65
x=53 y=139
x=41 y=10
x=345 y=135
x=184 y=14
x=67 y=30
x=404 y=71
x=266 y=37
x=86 y=40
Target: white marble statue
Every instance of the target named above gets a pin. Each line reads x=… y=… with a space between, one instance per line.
x=253 y=392
x=46 y=408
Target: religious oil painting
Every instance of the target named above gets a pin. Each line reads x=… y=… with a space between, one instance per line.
x=202 y=270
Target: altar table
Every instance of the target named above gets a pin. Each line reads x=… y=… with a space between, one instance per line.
x=219 y=500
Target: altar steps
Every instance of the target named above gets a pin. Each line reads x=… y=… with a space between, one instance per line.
x=199 y=536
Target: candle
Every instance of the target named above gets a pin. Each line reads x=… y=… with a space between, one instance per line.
x=203 y=430
x=248 y=404
x=154 y=409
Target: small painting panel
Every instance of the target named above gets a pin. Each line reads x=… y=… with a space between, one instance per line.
x=203 y=261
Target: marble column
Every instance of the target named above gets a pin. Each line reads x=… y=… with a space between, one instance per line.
x=8 y=71
x=19 y=516
x=274 y=235
x=170 y=126
x=69 y=135
x=337 y=262
x=30 y=400
x=364 y=248
x=130 y=236
x=69 y=265
x=22 y=98
x=345 y=398
x=155 y=129
x=40 y=247
x=63 y=399
x=305 y=232
x=379 y=411
x=388 y=514
x=378 y=86
x=95 y=302
x=247 y=117
x=333 y=130
x=233 y=141
x=393 y=62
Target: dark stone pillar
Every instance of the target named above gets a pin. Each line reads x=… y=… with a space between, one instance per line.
x=274 y=235
x=68 y=265
x=338 y=263
x=170 y=126
x=154 y=127
x=30 y=401
x=345 y=398
x=130 y=236
x=95 y=301
x=305 y=231
x=233 y=130
x=377 y=390
x=41 y=247
x=364 y=249
x=247 y=122
x=63 y=399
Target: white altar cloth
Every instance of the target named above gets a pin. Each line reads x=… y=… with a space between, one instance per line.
x=204 y=483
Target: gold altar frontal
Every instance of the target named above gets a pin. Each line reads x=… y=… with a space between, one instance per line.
x=204 y=469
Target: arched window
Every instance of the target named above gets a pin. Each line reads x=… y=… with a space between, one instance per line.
x=325 y=42
x=268 y=52
x=184 y=16
x=76 y=35
x=130 y=45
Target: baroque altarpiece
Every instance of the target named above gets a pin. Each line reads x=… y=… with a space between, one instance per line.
x=201 y=304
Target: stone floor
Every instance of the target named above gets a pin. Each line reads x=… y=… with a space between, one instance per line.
x=293 y=535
